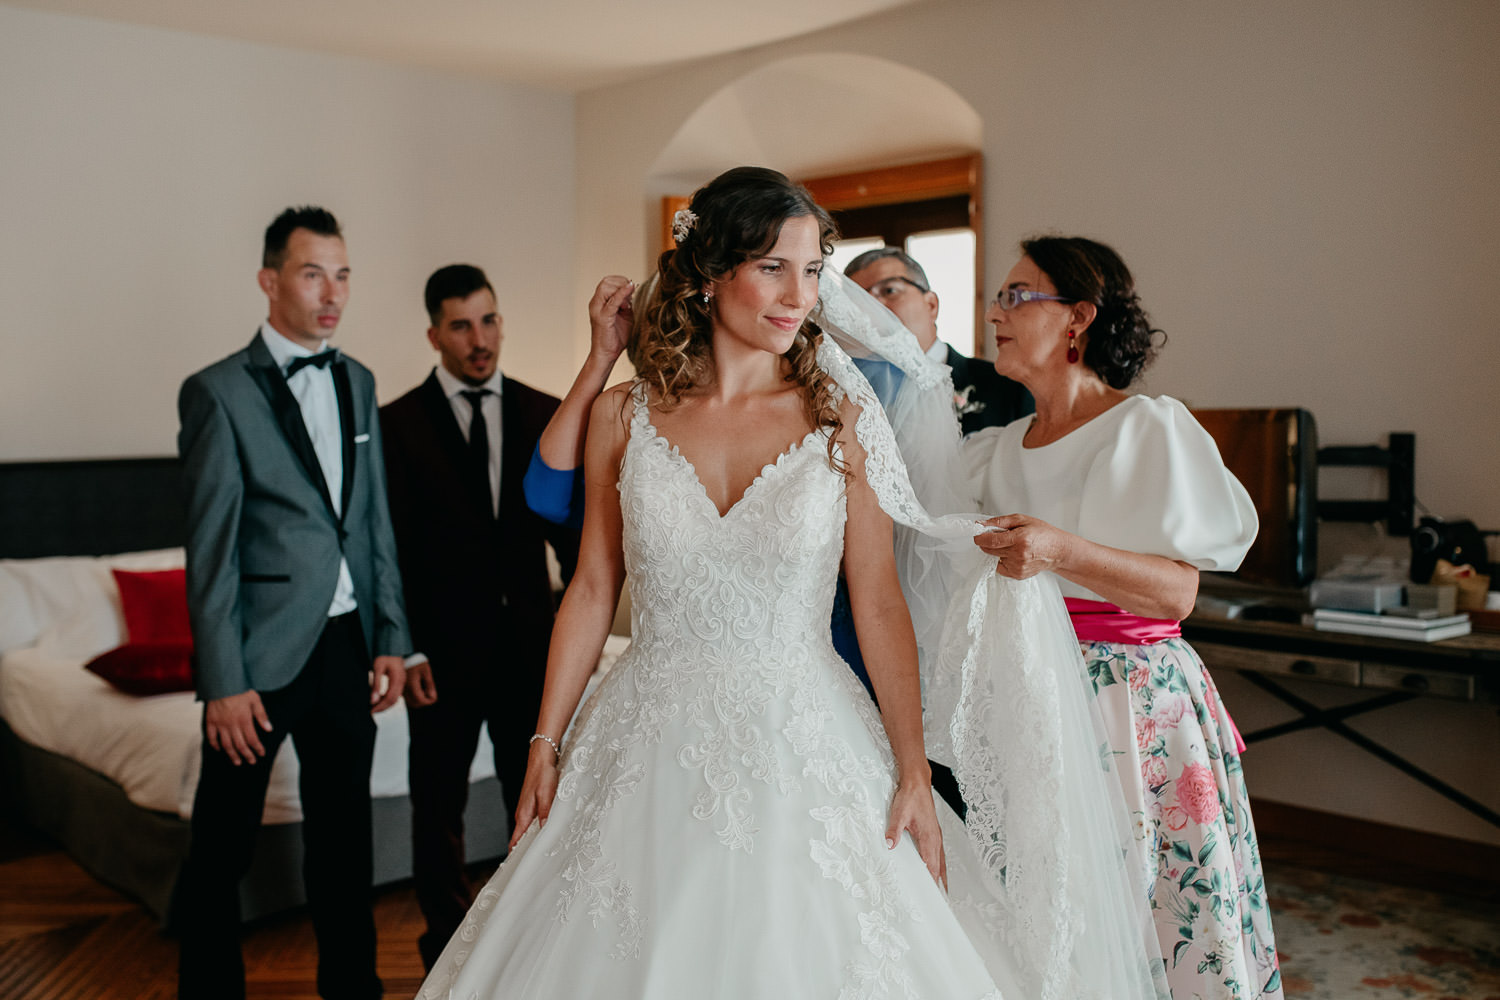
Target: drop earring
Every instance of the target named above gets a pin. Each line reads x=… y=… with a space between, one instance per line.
x=706 y=296
x=1072 y=348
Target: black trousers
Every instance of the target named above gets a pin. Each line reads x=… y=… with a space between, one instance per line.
x=326 y=712
x=444 y=736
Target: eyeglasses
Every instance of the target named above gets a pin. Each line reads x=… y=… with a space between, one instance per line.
x=891 y=287
x=1009 y=298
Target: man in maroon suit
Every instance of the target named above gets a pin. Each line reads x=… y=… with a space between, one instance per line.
x=473 y=563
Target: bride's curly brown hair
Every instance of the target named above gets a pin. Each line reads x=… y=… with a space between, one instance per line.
x=737 y=218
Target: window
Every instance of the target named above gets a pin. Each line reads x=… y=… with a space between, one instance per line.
x=930 y=210
x=947 y=258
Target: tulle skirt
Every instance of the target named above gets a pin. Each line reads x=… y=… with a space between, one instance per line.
x=658 y=874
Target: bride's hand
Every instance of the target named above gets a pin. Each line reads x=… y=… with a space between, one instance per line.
x=538 y=790
x=913 y=811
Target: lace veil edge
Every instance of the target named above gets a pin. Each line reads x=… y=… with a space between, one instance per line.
x=1007 y=702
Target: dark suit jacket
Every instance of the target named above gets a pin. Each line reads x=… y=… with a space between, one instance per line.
x=263 y=541
x=461 y=565
x=993 y=400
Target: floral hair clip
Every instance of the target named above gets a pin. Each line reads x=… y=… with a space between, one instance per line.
x=682 y=224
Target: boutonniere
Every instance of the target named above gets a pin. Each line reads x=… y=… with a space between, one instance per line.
x=963 y=404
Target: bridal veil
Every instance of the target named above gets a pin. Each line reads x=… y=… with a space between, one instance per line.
x=1007 y=704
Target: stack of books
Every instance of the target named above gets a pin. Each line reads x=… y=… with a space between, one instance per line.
x=1413 y=629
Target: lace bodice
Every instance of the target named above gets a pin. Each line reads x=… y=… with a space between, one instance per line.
x=743 y=585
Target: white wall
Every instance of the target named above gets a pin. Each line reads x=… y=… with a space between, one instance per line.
x=140 y=167
x=1308 y=197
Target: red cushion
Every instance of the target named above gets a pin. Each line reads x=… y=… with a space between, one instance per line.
x=155 y=605
x=146 y=667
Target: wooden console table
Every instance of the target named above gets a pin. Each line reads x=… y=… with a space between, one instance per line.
x=1393 y=670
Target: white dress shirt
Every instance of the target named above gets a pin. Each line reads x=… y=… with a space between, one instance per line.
x=313 y=389
x=463 y=412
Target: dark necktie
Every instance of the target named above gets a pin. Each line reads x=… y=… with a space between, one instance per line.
x=322 y=360
x=479 y=447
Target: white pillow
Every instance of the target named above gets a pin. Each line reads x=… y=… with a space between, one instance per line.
x=18 y=624
x=73 y=601
x=144 y=562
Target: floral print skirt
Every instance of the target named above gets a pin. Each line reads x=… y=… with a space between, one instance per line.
x=1175 y=755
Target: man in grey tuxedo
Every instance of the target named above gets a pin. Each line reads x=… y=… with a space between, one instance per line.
x=985 y=398
x=293 y=584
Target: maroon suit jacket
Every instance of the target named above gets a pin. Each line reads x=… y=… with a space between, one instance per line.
x=479 y=600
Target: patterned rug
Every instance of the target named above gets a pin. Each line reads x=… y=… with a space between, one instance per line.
x=1342 y=938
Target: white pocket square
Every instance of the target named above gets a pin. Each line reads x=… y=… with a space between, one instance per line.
x=361 y=438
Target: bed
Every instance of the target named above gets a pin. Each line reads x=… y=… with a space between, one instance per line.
x=110 y=775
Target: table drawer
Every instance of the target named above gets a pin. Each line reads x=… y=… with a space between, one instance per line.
x=1418 y=681
x=1330 y=670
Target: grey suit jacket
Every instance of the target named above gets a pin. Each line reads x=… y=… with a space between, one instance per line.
x=263 y=541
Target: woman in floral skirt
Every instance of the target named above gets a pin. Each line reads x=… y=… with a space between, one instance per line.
x=1125 y=499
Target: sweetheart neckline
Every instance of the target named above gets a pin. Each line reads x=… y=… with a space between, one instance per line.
x=769 y=467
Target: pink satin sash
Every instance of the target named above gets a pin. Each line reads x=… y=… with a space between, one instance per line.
x=1100 y=621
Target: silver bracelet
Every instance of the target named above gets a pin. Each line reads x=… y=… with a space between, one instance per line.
x=550 y=742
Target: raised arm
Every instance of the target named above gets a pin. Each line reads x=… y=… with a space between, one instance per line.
x=587 y=609
x=610 y=317
x=551 y=481
x=889 y=647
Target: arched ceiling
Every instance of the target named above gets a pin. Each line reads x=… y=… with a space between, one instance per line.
x=817 y=114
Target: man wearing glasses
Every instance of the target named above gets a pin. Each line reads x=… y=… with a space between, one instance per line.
x=982 y=396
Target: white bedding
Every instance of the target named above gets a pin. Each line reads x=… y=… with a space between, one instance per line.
x=151 y=746
x=64 y=612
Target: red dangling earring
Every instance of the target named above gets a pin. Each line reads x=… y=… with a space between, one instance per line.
x=1072 y=349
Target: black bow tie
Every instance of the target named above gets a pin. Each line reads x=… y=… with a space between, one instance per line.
x=322 y=359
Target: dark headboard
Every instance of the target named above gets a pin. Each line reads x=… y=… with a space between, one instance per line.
x=90 y=507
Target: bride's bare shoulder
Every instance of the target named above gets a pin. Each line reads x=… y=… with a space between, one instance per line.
x=611 y=410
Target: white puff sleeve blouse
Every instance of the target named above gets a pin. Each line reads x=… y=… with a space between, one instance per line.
x=1143 y=476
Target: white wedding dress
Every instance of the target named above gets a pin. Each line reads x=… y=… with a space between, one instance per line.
x=719 y=825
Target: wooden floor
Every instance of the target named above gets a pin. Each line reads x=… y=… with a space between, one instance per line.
x=66 y=936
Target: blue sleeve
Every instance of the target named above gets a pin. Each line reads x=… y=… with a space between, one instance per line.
x=884 y=377
x=555 y=495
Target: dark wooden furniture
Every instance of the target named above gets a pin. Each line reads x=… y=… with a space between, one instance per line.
x=1274 y=454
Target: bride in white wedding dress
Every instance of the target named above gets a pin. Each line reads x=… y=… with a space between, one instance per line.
x=729 y=815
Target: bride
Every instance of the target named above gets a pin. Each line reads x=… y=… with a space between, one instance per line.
x=730 y=815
